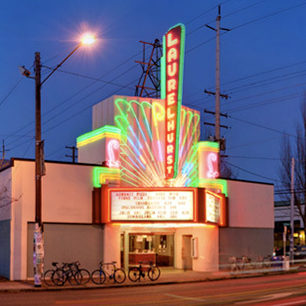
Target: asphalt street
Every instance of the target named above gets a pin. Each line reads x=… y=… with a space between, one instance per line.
x=281 y=290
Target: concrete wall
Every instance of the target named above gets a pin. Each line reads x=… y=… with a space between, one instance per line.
x=251 y=221
x=251 y=242
x=6 y=202
x=66 y=198
x=68 y=243
x=5 y=248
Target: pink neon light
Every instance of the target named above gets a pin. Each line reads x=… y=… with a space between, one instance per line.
x=112 y=157
x=212 y=165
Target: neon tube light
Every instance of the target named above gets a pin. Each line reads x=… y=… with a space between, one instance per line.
x=100 y=133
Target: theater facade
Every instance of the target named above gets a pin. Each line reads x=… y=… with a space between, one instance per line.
x=145 y=188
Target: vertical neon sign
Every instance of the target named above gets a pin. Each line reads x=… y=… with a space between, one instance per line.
x=208 y=155
x=172 y=82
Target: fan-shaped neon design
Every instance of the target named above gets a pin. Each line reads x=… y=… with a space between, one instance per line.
x=142 y=128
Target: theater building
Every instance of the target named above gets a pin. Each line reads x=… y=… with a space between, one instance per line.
x=145 y=188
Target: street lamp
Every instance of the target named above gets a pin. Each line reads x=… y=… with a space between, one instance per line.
x=38 y=251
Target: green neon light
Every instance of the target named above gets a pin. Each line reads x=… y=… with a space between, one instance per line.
x=214 y=182
x=163 y=71
x=208 y=144
x=99 y=131
x=97 y=171
x=180 y=88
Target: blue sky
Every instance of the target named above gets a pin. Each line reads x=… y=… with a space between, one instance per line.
x=263 y=69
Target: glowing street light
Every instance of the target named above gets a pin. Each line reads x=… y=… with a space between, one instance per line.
x=38 y=253
x=88 y=39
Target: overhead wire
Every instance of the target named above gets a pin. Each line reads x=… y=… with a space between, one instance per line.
x=71 y=97
x=262 y=17
x=10 y=91
x=252 y=173
x=262 y=126
x=77 y=74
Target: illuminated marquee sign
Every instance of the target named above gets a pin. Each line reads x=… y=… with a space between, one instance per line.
x=158 y=204
x=215 y=210
x=173 y=61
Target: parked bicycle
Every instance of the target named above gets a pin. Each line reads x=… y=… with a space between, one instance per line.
x=70 y=272
x=48 y=275
x=238 y=264
x=110 y=271
x=136 y=273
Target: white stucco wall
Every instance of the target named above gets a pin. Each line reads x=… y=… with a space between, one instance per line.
x=251 y=205
x=66 y=197
x=111 y=243
x=93 y=152
x=103 y=113
x=208 y=247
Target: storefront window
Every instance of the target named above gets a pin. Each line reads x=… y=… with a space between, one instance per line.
x=148 y=248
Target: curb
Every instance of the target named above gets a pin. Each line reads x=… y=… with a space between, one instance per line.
x=127 y=285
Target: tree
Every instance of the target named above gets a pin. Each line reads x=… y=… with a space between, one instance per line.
x=295 y=148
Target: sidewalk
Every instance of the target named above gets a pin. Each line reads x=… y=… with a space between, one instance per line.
x=168 y=276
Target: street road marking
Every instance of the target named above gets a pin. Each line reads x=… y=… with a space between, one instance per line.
x=267 y=298
x=81 y=301
x=185 y=297
x=292 y=303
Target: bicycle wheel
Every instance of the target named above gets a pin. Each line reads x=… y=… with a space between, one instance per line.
x=119 y=276
x=48 y=277
x=59 y=277
x=83 y=276
x=134 y=274
x=98 y=277
x=74 y=277
x=154 y=273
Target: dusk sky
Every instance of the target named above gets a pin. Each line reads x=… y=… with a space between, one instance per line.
x=263 y=70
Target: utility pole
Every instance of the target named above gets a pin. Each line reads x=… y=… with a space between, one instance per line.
x=74 y=155
x=38 y=249
x=292 y=211
x=38 y=254
x=37 y=139
x=3 y=150
x=217 y=93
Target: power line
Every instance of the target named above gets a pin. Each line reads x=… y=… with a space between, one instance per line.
x=264 y=103
x=82 y=99
x=206 y=12
x=250 y=172
x=230 y=14
x=81 y=111
x=70 y=98
x=243 y=9
x=269 y=15
x=261 y=83
x=254 y=157
x=10 y=91
x=90 y=78
x=262 y=126
x=247 y=23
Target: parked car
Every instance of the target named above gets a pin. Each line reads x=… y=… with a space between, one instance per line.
x=300 y=252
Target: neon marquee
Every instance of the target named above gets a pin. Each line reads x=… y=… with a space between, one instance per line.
x=154 y=143
x=174 y=44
